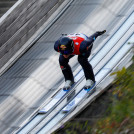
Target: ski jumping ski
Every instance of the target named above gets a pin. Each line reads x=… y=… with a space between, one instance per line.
x=55 y=100
x=59 y=95
x=81 y=95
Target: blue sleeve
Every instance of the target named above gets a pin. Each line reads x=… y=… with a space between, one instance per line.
x=86 y=45
x=93 y=37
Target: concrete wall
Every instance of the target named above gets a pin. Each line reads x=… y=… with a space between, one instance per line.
x=22 y=23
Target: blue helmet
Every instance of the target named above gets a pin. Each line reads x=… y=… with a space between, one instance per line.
x=66 y=45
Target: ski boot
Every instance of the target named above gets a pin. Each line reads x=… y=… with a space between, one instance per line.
x=68 y=85
x=89 y=84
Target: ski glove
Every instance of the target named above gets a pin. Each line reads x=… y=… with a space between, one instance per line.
x=101 y=32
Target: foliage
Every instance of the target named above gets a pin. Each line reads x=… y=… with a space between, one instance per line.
x=121 y=116
x=75 y=127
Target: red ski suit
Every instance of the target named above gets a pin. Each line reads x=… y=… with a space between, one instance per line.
x=82 y=48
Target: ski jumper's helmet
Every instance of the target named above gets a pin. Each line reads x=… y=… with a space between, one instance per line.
x=66 y=45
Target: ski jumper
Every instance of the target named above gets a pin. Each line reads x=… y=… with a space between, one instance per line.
x=82 y=48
